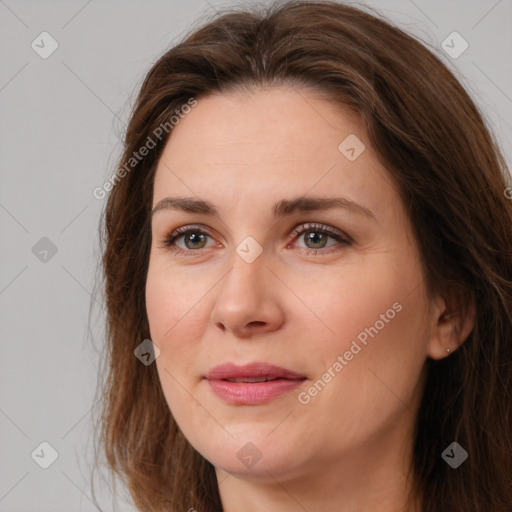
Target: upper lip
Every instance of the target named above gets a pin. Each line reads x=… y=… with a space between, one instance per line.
x=251 y=370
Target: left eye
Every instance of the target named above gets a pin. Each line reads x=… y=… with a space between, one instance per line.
x=315 y=236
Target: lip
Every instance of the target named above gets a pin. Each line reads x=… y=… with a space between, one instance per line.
x=252 y=393
x=251 y=370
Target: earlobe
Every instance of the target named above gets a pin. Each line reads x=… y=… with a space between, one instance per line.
x=451 y=328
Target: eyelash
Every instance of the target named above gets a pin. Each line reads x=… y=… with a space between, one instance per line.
x=344 y=240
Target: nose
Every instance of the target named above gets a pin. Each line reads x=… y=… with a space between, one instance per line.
x=247 y=300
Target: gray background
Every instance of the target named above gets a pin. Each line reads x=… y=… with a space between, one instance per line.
x=60 y=122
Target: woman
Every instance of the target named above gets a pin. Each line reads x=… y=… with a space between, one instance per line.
x=307 y=259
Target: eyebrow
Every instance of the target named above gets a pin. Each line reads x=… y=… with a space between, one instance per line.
x=280 y=209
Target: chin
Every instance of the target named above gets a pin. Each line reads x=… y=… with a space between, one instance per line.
x=253 y=454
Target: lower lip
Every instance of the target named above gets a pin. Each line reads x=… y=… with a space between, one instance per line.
x=254 y=393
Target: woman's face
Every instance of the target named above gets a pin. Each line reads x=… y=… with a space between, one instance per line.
x=334 y=295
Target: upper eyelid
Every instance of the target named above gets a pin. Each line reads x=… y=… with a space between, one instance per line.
x=306 y=226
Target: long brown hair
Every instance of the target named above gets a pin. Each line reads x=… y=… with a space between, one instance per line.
x=452 y=178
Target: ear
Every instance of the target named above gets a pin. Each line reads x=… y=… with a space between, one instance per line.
x=453 y=319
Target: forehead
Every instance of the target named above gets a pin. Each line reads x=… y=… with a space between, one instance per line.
x=269 y=144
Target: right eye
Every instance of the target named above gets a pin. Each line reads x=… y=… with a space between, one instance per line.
x=192 y=236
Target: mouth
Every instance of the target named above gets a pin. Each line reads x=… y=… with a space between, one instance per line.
x=253 y=379
x=252 y=372
x=252 y=384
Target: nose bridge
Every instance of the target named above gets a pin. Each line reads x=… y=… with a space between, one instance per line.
x=246 y=278
x=245 y=296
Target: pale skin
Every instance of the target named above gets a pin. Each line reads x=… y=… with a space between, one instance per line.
x=349 y=448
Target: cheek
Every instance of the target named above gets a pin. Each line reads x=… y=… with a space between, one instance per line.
x=381 y=335
x=177 y=307
x=376 y=316
x=353 y=299
x=172 y=323
x=171 y=301
x=162 y=306
x=170 y=315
